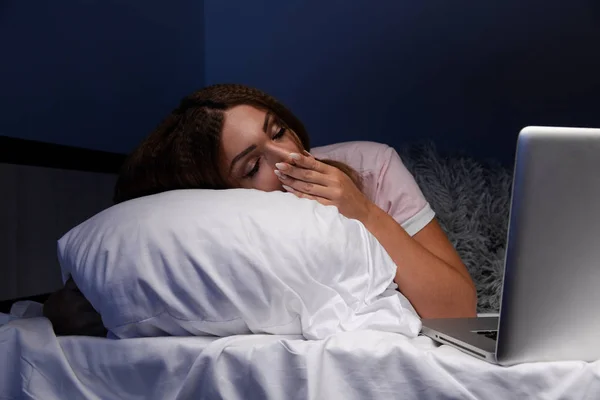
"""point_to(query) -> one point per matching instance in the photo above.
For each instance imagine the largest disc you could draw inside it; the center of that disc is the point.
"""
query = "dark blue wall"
(467, 74)
(96, 74)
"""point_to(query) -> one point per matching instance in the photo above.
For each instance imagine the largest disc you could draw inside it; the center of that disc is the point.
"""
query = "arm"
(429, 271)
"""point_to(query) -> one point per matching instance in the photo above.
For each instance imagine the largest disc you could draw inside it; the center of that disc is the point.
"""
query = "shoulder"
(387, 182)
(363, 145)
(361, 155)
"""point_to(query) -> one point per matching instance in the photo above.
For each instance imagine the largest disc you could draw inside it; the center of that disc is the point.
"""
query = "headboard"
(47, 189)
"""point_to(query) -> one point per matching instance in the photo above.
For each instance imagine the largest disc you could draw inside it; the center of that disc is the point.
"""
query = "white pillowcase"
(198, 262)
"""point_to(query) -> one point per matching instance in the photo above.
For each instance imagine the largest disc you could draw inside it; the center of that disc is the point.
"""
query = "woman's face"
(252, 142)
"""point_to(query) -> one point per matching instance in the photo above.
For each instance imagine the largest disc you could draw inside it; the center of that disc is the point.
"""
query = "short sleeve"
(398, 194)
(387, 182)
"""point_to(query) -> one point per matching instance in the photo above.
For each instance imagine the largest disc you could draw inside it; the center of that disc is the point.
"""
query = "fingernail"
(280, 175)
(281, 166)
(307, 153)
(295, 156)
(287, 188)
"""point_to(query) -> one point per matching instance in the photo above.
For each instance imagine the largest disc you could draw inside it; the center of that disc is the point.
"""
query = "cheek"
(293, 140)
(293, 144)
(267, 180)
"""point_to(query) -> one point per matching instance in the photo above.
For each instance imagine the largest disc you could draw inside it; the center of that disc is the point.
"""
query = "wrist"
(370, 214)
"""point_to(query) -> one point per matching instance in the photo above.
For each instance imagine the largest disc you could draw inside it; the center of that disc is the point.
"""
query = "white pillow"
(198, 262)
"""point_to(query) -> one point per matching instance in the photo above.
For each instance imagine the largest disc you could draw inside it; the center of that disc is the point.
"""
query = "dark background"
(465, 74)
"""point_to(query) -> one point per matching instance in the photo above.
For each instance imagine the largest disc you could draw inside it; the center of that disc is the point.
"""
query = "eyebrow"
(242, 154)
(250, 148)
(266, 123)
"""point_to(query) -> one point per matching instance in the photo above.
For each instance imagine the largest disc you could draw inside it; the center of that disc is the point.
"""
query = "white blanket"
(35, 364)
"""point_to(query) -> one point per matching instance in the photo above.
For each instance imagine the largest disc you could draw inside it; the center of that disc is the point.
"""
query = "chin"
(272, 184)
(277, 188)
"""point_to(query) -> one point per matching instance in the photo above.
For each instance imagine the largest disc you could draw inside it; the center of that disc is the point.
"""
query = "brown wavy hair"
(183, 151)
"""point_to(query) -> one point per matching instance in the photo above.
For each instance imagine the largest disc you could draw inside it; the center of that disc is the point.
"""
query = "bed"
(37, 364)
(353, 365)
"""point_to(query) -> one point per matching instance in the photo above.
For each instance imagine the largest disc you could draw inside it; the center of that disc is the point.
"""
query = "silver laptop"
(550, 307)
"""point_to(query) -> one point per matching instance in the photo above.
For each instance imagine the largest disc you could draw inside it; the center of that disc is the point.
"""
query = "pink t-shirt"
(387, 182)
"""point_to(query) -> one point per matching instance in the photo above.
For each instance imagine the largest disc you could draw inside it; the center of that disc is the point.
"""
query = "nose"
(274, 154)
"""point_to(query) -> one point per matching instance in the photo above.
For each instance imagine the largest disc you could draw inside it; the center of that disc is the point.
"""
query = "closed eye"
(279, 133)
(254, 169)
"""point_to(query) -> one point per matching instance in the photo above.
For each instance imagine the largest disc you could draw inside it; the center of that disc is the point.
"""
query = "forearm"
(434, 287)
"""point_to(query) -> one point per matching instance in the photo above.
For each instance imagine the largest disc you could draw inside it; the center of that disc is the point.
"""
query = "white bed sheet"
(35, 364)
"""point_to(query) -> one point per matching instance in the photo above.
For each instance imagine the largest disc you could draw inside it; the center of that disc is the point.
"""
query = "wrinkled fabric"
(35, 364)
(226, 262)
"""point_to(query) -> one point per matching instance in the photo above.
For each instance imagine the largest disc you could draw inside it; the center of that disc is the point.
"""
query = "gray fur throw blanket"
(472, 201)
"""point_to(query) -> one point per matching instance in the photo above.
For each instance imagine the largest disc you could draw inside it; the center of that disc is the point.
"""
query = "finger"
(302, 186)
(303, 174)
(308, 162)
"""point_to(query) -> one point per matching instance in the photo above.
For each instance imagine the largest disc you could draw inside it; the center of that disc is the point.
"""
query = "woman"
(232, 136)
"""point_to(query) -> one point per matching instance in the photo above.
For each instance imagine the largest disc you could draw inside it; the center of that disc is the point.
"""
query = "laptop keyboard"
(489, 334)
